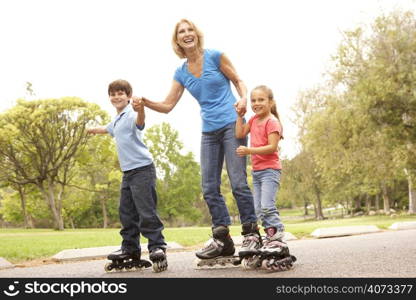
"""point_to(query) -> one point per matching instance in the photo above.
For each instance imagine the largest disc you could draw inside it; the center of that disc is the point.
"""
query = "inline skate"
(123, 260)
(159, 259)
(251, 245)
(218, 251)
(275, 255)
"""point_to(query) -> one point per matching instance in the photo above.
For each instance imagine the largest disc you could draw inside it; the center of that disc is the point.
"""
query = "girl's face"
(260, 103)
(186, 36)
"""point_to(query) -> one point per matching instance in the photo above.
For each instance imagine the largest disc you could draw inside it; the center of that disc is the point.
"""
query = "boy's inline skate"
(123, 260)
(275, 255)
(159, 260)
(218, 251)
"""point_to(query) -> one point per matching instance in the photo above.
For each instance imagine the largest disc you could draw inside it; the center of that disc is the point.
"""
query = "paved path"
(383, 254)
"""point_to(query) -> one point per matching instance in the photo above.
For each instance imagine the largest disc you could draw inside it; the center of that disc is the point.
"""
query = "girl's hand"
(241, 107)
(240, 112)
(243, 151)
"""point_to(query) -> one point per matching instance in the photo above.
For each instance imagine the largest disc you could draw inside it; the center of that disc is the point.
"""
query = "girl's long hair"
(270, 96)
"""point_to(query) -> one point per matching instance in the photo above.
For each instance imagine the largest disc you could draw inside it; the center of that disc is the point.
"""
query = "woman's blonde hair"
(178, 49)
(270, 96)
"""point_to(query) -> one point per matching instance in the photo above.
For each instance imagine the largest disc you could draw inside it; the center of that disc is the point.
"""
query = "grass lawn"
(20, 245)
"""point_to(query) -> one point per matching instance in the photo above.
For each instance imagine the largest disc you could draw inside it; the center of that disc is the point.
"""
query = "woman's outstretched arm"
(170, 101)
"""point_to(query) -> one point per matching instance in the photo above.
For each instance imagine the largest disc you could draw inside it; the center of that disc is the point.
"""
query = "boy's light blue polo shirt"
(132, 152)
(212, 90)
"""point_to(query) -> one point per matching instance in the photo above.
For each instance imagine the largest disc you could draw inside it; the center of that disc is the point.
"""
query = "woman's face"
(186, 36)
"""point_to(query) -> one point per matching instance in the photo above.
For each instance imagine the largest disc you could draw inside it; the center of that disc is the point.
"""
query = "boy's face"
(119, 99)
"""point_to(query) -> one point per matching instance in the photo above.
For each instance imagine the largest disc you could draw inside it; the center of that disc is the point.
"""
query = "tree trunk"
(71, 221)
(306, 208)
(50, 199)
(26, 219)
(412, 193)
(357, 201)
(377, 202)
(386, 199)
(104, 210)
(319, 215)
(368, 203)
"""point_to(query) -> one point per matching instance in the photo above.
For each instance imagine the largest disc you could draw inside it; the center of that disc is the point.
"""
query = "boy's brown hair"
(120, 85)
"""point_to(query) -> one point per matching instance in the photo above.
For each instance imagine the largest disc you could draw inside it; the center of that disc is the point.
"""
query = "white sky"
(75, 48)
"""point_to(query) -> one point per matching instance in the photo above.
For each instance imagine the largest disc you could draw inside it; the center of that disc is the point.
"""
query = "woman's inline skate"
(250, 248)
(123, 260)
(218, 251)
(159, 260)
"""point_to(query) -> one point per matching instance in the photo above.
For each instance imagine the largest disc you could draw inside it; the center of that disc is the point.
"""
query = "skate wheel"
(264, 264)
(245, 263)
(108, 267)
(160, 266)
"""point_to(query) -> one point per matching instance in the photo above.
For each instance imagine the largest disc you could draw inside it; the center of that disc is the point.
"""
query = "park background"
(343, 74)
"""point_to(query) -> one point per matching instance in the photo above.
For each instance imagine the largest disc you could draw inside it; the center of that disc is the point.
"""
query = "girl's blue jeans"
(266, 184)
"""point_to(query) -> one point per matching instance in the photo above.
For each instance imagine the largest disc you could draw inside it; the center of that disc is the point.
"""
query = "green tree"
(40, 140)
(379, 74)
(179, 178)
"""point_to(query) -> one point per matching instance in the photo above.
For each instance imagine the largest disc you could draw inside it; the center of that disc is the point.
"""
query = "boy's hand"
(91, 130)
(137, 103)
(242, 151)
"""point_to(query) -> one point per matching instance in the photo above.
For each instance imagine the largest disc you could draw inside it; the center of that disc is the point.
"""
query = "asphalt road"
(383, 254)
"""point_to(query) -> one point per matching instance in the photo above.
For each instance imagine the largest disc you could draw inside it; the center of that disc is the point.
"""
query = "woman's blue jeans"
(215, 147)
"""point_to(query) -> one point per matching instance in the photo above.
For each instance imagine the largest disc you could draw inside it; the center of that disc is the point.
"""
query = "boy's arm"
(97, 130)
(273, 141)
(138, 106)
(241, 129)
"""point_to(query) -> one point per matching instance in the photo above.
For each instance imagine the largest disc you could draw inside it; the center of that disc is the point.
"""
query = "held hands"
(242, 151)
(137, 103)
(241, 107)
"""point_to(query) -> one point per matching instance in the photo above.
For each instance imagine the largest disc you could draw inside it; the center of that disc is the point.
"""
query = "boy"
(138, 198)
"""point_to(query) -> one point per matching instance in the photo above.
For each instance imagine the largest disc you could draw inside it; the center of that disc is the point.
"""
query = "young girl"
(265, 133)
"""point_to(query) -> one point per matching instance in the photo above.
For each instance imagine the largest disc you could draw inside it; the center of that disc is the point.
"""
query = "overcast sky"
(75, 48)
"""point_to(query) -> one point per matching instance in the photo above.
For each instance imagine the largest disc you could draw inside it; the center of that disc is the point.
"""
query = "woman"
(206, 74)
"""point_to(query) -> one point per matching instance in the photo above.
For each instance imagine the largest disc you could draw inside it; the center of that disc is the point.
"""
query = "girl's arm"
(229, 71)
(241, 129)
(170, 101)
(273, 141)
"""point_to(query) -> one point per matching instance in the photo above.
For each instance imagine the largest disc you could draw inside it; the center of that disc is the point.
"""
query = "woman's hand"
(138, 103)
(241, 107)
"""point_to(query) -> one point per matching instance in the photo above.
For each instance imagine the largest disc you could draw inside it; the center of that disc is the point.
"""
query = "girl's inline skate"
(123, 260)
(275, 255)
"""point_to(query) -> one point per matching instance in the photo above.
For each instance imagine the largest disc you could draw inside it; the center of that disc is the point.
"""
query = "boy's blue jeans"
(266, 184)
(215, 147)
(137, 210)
